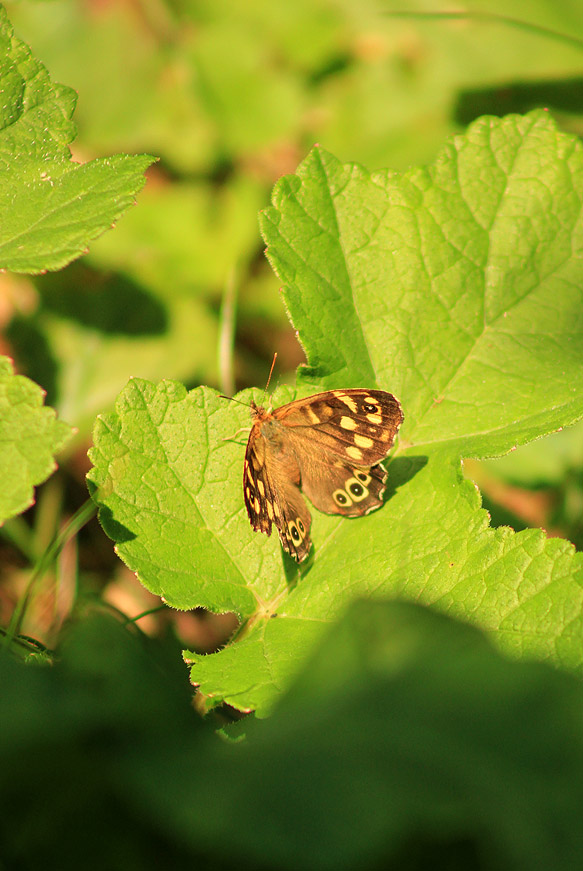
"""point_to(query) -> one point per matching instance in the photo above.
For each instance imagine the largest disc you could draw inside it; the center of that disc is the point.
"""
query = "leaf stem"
(46, 559)
(145, 614)
(227, 334)
(48, 509)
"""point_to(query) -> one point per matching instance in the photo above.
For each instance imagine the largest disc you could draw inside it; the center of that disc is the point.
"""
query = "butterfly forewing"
(331, 444)
(359, 425)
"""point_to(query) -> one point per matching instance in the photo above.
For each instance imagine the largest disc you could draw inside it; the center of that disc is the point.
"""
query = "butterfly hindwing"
(257, 488)
(293, 522)
(272, 496)
(349, 491)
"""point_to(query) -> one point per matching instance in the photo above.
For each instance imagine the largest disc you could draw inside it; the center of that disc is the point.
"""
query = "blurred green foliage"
(406, 742)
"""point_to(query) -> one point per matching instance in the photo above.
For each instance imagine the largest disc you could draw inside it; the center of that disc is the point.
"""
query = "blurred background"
(229, 96)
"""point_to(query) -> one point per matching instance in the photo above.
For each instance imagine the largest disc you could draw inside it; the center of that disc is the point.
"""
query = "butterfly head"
(259, 413)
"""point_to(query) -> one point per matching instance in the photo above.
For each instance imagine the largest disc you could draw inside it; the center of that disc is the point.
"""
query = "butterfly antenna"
(243, 428)
(231, 399)
(270, 374)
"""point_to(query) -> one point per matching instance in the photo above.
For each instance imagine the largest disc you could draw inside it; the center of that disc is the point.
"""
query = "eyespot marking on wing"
(341, 498)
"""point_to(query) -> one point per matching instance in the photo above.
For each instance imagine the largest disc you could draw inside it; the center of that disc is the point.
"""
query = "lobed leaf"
(459, 284)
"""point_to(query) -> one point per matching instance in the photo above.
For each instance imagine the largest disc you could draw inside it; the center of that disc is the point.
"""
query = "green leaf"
(60, 205)
(30, 436)
(455, 287)
(405, 742)
(162, 490)
(462, 279)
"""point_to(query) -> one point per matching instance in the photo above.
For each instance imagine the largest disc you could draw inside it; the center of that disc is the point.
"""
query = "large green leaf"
(460, 282)
(457, 288)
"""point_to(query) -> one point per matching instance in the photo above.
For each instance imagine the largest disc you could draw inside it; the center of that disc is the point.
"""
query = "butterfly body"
(330, 445)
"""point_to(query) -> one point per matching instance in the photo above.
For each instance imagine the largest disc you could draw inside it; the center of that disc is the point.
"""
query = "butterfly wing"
(339, 438)
(272, 495)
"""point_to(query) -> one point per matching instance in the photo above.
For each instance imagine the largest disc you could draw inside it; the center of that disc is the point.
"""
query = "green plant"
(456, 288)
(437, 720)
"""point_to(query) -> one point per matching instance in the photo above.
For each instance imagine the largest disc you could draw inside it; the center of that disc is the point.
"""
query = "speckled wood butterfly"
(330, 445)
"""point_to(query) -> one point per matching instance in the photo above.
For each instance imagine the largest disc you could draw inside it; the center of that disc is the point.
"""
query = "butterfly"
(329, 445)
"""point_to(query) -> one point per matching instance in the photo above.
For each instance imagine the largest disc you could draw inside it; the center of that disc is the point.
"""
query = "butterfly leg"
(234, 436)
